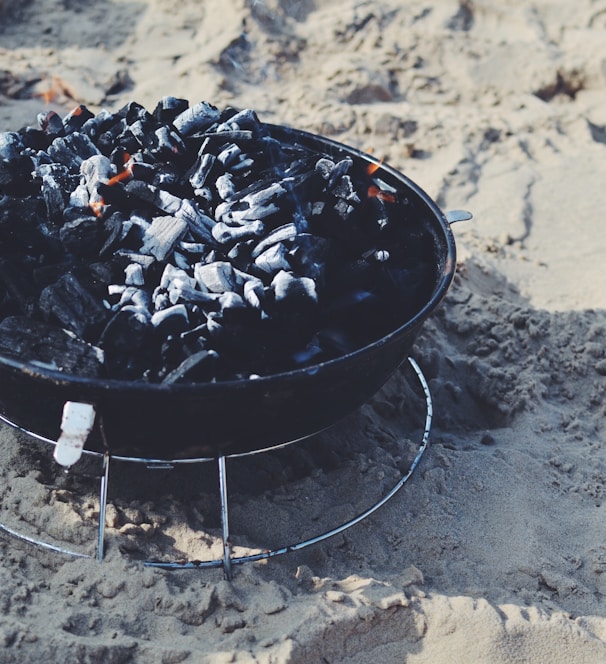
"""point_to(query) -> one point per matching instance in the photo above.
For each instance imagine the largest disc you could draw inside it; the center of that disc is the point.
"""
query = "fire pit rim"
(443, 281)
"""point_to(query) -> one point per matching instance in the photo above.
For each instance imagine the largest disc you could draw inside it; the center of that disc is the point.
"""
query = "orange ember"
(371, 169)
(375, 192)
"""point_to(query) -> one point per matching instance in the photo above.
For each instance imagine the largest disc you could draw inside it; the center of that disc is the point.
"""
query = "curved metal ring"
(227, 559)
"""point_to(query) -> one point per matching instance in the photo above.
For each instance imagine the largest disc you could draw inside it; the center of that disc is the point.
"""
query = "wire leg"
(224, 518)
(102, 506)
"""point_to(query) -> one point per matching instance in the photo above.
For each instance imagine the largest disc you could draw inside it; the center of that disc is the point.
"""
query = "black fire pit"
(217, 418)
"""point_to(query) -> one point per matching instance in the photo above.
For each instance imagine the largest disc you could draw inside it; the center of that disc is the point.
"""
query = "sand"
(494, 552)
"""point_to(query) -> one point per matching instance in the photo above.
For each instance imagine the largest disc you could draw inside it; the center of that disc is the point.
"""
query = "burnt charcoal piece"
(197, 118)
(82, 237)
(201, 171)
(16, 282)
(16, 175)
(228, 235)
(162, 236)
(11, 145)
(168, 108)
(129, 346)
(30, 341)
(311, 254)
(294, 293)
(200, 366)
(69, 303)
(170, 321)
(218, 277)
(57, 183)
(72, 150)
(75, 120)
(34, 139)
(51, 123)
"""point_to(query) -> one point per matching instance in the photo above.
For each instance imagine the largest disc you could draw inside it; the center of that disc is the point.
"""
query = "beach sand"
(494, 552)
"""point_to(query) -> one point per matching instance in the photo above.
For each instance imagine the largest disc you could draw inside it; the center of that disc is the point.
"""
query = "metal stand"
(227, 560)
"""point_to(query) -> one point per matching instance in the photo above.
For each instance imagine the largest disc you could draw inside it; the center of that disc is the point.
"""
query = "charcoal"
(33, 138)
(273, 260)
(246, 119)
(254, 293)
(21, 227)
(240, 254)
(31, 341)
(57, 182)
(226, 234)
(168, 108)
(196, 118)
(15, 175)
(108, 137)
(225, 186)
(82, 236)
(11, 145)
(311, 254)
(341, 168)
(229, 154)
(197, 367)
(201, 171)
(172, 320)
(128, 345)
(217, 277)
(191, 245)
(68, 302)
(281, 234)
(17, 284)
(295, 291)
(51, 123)
(227, 133)
(134, 275)
(162, 236)
(72, 150)
(75, 120)
(92, 127)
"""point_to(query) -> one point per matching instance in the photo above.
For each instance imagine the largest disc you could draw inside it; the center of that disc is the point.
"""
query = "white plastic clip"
(76, 425)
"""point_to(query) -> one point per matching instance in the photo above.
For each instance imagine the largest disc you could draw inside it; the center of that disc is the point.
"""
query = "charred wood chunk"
(170, 321)
(277, 235)
(68, 302)
(17, 283)
(197, 118)
(74, 121)
(51, 123)
(22, 229)
(311, 254)
(296, 293)
(273, 260)
(197, 367)
(129, 345)
(168, 108)
(82, 237)
(218, 277)
(228, 234)
(34, 342)
(72, 150)
(57, 183)
(162, 236)
(16, 175)
(201, 171)
(11, 145)
(34, 139)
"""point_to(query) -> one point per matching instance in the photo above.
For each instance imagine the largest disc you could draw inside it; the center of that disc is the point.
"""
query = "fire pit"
(226, 285)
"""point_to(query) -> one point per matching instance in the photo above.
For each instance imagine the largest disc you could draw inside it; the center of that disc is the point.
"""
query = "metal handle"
(76, 424)
(453, 216)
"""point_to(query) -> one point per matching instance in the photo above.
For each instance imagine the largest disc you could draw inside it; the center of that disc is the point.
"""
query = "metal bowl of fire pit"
(193, 419)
